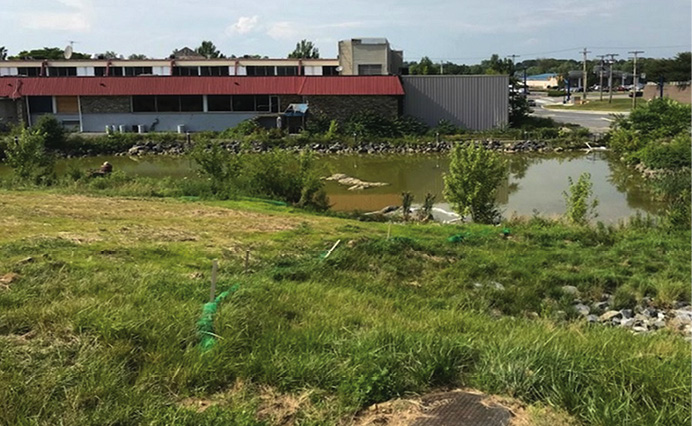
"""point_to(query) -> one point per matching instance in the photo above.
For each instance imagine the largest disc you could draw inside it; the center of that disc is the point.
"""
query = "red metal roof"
(15, 87)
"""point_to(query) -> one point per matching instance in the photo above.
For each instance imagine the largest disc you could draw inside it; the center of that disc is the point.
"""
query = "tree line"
(305, 49)
(677, 68)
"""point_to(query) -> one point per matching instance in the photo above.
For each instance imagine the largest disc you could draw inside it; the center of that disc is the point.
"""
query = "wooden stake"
(332, 249)
(214, 268)
(247, 260)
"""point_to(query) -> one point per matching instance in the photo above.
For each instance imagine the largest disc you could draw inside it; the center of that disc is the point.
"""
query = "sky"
(459, 31)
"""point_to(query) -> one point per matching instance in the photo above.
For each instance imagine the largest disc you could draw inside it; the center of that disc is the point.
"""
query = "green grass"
(592, 104)
(99, 328)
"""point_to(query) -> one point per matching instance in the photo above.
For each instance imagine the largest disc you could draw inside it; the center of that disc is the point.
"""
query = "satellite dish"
(68, 52)
(339, 68)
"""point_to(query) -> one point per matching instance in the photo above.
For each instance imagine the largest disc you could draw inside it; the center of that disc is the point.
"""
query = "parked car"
(640, 93)
(532, 103)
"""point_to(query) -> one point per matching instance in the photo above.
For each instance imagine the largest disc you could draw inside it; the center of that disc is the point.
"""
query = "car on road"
(639, 93)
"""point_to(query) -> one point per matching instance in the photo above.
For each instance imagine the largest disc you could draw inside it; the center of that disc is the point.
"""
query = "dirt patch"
(399, 412)
(8, 279)
(197, 404)
(281, 409)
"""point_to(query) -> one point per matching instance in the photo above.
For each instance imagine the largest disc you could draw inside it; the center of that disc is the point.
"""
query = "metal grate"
(460, 409)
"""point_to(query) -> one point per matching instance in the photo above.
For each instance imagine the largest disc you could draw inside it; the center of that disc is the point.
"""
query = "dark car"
(639, 93)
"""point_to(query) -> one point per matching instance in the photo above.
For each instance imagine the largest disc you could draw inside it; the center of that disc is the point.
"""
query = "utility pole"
(512, 56)
(584, 79)
(600, 79)
(610, 77)
(635, 78)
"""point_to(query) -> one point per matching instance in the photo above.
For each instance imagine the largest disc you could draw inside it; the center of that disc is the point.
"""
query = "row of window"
(177, 71)
(165, 103)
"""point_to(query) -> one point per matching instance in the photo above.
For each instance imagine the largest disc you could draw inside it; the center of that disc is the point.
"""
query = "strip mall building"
(187, 93)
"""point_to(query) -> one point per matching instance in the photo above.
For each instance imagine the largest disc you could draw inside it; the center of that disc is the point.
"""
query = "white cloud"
(77, 19)
(283, 30)
(244, 25)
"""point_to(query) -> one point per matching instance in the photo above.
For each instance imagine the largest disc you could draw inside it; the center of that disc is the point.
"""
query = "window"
(262, 103)
(191, 103)
(370, 69)
(112, 71)
(329, 70)
(40, 104)
(62, 71)
(185, 71)
(144, 104)
(219, 102)
(213, 71)
(133, 71)
(29, 71)
(168, 103)
(286, 70)
(260, 71)
(67, 104)
(243, 103)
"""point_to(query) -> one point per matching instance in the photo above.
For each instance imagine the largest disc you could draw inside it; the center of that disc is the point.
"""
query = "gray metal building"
(475, 102)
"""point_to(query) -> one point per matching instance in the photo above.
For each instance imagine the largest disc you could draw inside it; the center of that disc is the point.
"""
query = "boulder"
(610, 315)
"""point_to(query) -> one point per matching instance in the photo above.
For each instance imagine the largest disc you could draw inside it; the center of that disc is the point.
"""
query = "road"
(597, 122)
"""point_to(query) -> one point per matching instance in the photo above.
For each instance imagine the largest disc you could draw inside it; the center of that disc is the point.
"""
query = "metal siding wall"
(474, 102)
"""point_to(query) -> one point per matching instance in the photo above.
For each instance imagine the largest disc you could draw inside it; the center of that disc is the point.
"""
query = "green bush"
(370, 124)
(244, 128)
(26, 155)
(218, 165)
(52, 130)
(673, 155)
(474, 175)
(578, 207)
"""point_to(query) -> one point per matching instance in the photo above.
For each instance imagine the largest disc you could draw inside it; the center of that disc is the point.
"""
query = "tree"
(305, 50)
(50, 53)
(137, 57)
(111, 55)
(209, 50)
(3, 53)
(474, 175)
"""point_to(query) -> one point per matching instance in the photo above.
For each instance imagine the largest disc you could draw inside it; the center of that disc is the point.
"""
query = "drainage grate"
(460, 409)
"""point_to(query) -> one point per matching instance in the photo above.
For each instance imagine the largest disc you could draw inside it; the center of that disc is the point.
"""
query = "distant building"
(369, 56)
(191, 93)
(542, 81)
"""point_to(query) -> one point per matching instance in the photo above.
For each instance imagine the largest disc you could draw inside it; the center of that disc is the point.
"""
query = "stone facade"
(340, 108)
(105, 104)
(9, 112)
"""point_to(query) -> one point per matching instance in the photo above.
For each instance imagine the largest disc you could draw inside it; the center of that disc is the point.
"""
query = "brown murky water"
(533, 183)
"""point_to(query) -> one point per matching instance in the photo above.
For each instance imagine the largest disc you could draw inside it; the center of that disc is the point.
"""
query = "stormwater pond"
(534, 183)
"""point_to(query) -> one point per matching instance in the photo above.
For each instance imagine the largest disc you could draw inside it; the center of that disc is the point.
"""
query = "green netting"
(205, 325)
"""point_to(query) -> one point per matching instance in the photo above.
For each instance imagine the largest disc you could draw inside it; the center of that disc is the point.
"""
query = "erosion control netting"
(205, 325)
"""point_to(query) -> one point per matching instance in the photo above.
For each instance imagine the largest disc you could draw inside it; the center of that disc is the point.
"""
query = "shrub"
(244, 128)
(52, 130)
(218, 165)
(474, 175)
(579, 210)
(673, 155)
(370, 124)
(406, 201)
(407, 125)
(26, 155)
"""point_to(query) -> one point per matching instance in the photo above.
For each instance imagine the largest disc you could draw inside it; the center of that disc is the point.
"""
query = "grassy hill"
(101, 297)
